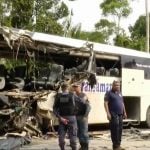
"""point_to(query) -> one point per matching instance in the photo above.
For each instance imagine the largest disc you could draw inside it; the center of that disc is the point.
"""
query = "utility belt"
(67, 112)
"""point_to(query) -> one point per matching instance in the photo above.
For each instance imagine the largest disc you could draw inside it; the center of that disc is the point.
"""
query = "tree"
(4, 10)
(138, 30)
(123, 40)
(138, 33)
(47, 15)
(117, 9)
(113, 11)
(106, 28)
(36, 15)
(22, 13)
(137, 38)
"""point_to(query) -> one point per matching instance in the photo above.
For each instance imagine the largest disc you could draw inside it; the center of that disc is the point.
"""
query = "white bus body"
(133, 67)
(134, 74)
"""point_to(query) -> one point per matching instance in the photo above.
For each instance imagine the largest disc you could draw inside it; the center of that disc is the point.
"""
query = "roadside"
(133, 139)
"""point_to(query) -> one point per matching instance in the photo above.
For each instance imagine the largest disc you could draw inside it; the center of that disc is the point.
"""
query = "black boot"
(62, 147)
(84, 146)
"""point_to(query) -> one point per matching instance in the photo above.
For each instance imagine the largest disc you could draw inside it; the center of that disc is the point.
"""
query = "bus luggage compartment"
(132, 105)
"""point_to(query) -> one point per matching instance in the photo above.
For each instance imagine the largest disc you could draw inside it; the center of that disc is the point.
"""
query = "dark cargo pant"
(83, 136)
(116, 124)
(82, 123)
(71, 129)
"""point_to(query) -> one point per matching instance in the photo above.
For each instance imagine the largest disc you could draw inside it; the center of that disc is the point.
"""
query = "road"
(132, 139)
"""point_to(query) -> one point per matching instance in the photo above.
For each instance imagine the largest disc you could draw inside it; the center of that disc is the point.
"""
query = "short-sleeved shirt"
(115, 102)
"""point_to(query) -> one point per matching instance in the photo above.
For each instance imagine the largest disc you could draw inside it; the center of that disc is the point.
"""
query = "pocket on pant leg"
(114, 119)
(74, 131)
(62, 130)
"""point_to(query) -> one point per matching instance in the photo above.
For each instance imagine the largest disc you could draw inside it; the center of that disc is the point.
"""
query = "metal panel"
(132, 82)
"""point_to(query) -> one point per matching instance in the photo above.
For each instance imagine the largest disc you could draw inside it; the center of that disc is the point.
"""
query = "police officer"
(115, 110)
(82, 111)
(64, 109)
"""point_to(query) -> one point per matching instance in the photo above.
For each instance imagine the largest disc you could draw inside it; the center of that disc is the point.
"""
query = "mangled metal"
(14, 112)
(37, 80)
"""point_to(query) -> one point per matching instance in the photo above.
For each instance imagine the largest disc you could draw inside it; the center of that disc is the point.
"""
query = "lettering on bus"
(99, 87)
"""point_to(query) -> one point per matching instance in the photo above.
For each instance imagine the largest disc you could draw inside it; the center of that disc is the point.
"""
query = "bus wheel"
(148, 117)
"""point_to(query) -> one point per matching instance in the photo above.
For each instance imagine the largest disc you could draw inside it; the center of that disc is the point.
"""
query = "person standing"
(82, 111)
(115, 110)
(64, 109)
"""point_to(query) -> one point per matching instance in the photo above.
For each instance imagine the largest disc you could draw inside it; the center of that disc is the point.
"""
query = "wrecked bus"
(74, 60)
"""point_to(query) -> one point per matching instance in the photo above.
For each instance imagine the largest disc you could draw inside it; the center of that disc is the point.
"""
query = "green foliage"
(138, 33)
(36, 15)
(10, 64)
(75, 31)
(139, 44)
(21, 13)
(4, 10)
(92, 36)
(47, 16)
(117, 9)
(72, 31)
(139, 28)
(61, 11)
(106, 28)
(137, 38)
(48, 26)
(123, 41)
(103, 23)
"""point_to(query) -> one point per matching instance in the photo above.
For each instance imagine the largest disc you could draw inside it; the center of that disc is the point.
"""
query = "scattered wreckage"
(32, 68)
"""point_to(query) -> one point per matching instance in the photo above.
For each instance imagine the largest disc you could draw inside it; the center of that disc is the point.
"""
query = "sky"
(87, 12)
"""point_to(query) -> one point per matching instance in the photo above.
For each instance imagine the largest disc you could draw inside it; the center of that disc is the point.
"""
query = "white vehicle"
(131, 67)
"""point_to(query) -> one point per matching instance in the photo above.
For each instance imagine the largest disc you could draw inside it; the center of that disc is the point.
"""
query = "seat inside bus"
(114, 72)
(100, 70)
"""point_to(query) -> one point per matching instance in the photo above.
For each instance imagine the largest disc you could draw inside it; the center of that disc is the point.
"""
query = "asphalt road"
(131, 140)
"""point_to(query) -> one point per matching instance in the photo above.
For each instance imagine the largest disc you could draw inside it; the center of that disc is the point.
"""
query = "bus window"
(108, 67)
(100, 70)
(107, 72)
(114, 72)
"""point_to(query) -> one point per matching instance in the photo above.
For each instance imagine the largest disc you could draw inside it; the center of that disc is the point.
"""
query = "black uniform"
(64, 106)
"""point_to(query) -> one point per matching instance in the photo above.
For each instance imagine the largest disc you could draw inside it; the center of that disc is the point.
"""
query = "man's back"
(64, 103)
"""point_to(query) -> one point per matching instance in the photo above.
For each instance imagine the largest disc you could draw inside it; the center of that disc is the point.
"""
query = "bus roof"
(98, 47)
(74, 43)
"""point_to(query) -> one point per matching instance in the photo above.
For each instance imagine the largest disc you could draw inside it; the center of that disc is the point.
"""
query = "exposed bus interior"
(68, 61)
(108, 67)
(132, 105)
(105, 66)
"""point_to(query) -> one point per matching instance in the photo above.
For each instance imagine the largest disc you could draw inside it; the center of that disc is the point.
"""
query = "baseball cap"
(76, 84)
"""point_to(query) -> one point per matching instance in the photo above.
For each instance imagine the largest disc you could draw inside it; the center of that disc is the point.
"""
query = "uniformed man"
(115, 110)
(82, 110)
(64, 108)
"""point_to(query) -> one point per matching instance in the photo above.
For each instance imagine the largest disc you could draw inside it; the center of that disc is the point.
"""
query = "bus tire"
(148, 117)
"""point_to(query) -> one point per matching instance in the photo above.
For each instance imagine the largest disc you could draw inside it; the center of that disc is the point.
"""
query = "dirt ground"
(132, 139)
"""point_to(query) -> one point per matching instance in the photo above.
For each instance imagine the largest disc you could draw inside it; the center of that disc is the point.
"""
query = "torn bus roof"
(50, 43)
(37, 41)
